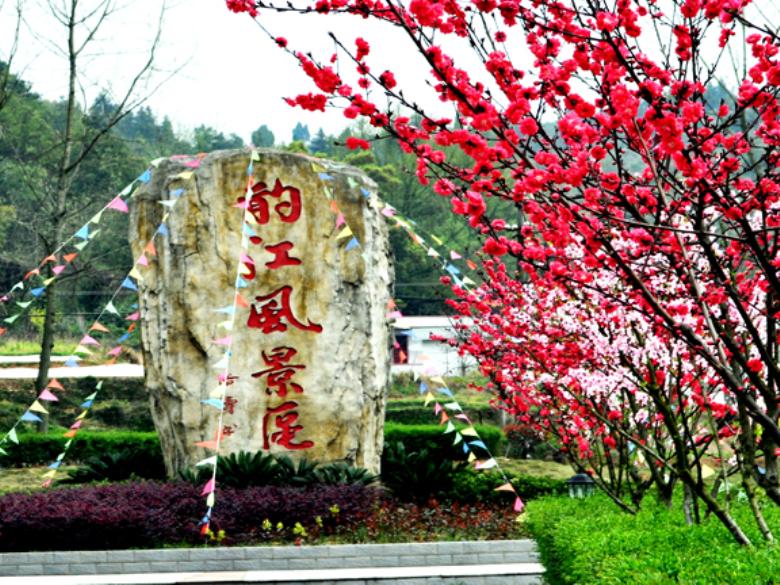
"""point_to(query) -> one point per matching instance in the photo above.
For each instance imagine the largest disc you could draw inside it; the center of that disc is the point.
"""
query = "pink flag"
(192, 164)
(438, 408)
(77, 424)
(119, 205)
(116, 351)
(339, 220)
(58, 269)
(464, 417)
(454, 255)
(224, 341)
(133, 317)
(431, 371)
(223, 376)
(3, 299)
(394, 315)
(89, 341)
(143, 261)
(46, 395)
(209, 487)
(246, 259)
(242, 205)
(46, 483)
(387, 212)
(519, 505)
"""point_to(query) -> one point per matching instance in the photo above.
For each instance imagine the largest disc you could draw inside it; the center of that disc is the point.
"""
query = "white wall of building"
(424, 353)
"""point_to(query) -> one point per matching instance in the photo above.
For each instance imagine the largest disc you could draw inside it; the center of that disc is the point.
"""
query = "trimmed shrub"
(148, 514)
(592, 541)
(43, 449)
(416, 475)
(117, 467)
(432, 438)
(473, 486)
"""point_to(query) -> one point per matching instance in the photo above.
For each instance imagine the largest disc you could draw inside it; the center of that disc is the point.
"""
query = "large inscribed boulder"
(309, 347)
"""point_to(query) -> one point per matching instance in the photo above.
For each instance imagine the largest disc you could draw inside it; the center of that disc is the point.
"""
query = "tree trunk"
(47, 345)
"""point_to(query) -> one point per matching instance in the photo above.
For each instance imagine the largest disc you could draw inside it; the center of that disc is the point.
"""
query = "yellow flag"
(706, 470)
(428, 398)
(437, 240)
(38, 407)
(82, 349)
(470, 432)
(185, 175)
(345, 233)
(438, 380)
(317, 168)
(82, 415)
(217, 392)
(472, 457)
(135, 274)
(51, 473)
(210, 500)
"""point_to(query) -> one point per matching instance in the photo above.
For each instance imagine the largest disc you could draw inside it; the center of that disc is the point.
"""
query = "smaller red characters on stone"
(274, 311)
(288, 211)
(231, 380)
(284, 420)
(283, 258)
(230, 404)
(228, 430)
(280, 371)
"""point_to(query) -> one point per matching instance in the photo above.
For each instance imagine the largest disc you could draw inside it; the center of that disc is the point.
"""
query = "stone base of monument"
(507, 562)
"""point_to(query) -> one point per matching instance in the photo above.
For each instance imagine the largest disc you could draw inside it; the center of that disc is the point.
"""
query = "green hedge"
(472, 486)
(415, 414)
(432, 437)
(592, 541)
(36, 449)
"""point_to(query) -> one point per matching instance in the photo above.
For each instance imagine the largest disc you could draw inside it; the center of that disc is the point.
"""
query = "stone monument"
(310, 345)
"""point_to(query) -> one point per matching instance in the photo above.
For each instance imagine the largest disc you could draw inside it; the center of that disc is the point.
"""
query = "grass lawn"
(535, 467)
(20, 348)
(16, 480)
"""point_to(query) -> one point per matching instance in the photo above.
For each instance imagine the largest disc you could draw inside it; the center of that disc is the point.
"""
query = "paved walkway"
(25, 373)
(503, 574)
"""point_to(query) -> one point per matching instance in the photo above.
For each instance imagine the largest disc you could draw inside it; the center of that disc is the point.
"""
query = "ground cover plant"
(619, 165)
(153, 514)
(592, 541)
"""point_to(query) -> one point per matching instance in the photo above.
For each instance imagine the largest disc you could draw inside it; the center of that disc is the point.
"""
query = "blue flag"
(125, 337)
(37, 291)
(177, 192)
(30, 417)
(129, 284)
(83, 233)
(423, 387)
(145, 177)
(353, 243)
(325, 176)
(365, 192)
(72, 363)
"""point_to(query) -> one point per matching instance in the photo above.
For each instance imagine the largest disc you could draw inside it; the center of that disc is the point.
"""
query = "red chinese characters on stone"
(230, 404)
(284, 419)
(280, 371)
(274, 310)
(283, 258)
(289, 211)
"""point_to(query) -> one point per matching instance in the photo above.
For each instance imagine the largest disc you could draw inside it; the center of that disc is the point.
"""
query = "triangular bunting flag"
(150, 249)
(91, 396)
(55, 384)
(177, 192)
(118, 204)
(432, 252)
(168, 202)
(185, 175)
(12, 436)
(86, 404)
(37, 291)
(162, 229)
(51, 473)
(125, 337)
(133, 317)
(454, 255)
(87, 340)
(29, 274)
(458, 439)
(450, 428)
(83, 233)
(30, 417)
(110, 308)
(345, 233)
(428, 398)
(471, 264)
(209, 461)
(143, 261)
(98, 327)
(207, 445)
(129, 284)
(469, 432)
(48, 281)
(55, 465)
(70, 433)
(110, 362)
(81, 245)
(215, 402)
(135, 274)
(223, 363)
(223, 341)
(24, 305)
(226, 324)
(228, 310)
(12, 319)
(210, 500)
(507, 487)
(96, 218)
(145, 177)
(353, 243)
(115, 351)
(519, 505)
(241, 301)
(72, 363)
(46, 395)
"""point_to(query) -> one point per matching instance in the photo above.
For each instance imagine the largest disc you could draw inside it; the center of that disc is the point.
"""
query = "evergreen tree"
(301, 133)
(321, 144)
(263, 137)
(207, 139)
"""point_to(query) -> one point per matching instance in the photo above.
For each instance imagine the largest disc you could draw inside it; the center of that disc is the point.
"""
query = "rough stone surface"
(345, 379)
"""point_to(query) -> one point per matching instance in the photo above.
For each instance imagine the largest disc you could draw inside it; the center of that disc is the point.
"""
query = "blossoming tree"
(636, 164)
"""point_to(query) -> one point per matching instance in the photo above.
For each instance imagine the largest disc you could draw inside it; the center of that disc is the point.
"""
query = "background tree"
(300, 133)
(321, 145)
(69, 145)
(263, 137)
(207, 139)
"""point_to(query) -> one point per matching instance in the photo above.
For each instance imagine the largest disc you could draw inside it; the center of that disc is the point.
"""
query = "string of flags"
(90, 339)
(36, 281)
(216, 399)
(467, 437)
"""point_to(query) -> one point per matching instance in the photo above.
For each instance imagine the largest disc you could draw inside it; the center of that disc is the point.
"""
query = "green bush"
(120, 466)
(592, 541)
(34, 449)
(416, 475)
(432, 437)
(473, 486)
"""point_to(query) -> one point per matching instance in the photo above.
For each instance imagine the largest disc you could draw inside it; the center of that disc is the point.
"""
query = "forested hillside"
(30, 148)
